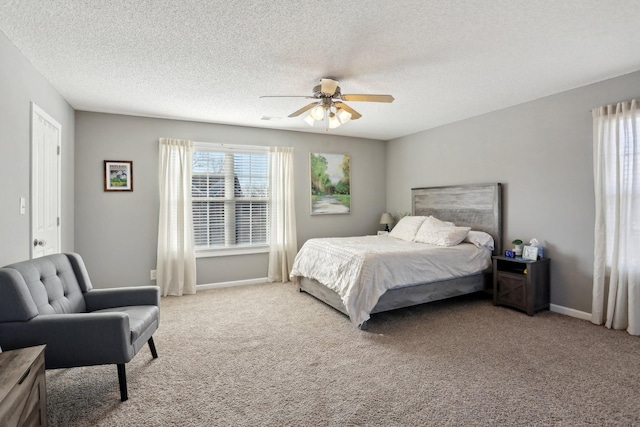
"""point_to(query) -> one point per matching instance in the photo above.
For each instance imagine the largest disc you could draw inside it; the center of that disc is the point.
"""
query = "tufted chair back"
(51, 285)
(50, 301)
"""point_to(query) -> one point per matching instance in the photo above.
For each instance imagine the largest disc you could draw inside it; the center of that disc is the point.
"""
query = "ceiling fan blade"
(367, 98)
(287, 96)
(328, 86)
(354, 114)
(303, 109)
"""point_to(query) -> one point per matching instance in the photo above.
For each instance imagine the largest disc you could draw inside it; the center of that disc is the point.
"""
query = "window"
(230, 192)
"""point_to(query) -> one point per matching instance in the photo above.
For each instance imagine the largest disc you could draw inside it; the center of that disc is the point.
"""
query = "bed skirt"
(405, 296)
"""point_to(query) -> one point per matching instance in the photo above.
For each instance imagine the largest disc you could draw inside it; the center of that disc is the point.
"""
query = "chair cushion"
(141, 317)
(52, 284)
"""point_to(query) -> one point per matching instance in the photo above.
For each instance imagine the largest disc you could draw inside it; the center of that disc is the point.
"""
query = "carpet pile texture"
(270, 355)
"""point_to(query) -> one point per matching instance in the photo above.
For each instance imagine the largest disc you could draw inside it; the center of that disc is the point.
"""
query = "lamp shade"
(317, 112)
(309, 120)
(386, 218)
(343, 115)
(333, 121)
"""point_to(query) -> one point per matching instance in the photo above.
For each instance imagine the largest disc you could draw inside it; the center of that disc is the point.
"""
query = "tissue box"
(540, 252)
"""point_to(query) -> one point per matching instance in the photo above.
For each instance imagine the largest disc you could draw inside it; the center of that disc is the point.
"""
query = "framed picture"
(330, 183)
(530, 253)
(118, 175)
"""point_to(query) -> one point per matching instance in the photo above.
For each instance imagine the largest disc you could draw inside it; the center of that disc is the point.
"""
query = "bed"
(478, 206)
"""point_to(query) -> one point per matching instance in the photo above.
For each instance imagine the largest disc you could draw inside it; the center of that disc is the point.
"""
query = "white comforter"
(361, 269)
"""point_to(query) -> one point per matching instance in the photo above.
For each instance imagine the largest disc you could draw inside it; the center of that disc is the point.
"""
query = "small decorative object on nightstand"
(521, 283)
(386, 219)
(530, 253)
(517, 246)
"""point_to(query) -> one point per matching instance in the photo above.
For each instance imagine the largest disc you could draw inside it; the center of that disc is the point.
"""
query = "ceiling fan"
(328, 106)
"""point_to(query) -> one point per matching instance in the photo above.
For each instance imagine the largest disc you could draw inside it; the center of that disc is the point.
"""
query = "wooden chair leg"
(122, 373)
(122, 379)
(152, 347)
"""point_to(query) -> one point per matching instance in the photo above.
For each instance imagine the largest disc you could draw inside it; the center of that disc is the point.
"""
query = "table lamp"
(386, 219)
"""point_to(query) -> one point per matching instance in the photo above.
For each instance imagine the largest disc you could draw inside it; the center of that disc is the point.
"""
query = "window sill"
(208, 253)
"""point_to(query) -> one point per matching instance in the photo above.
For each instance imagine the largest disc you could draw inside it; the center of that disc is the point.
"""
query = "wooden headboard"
(478, 206)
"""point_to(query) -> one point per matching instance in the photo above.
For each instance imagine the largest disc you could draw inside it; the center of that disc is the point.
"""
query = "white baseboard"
(569, 312)
(231, 284)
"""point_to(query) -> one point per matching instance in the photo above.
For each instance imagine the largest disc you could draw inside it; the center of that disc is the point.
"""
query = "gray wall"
(116, 233)
(542, 152)
(20, 84)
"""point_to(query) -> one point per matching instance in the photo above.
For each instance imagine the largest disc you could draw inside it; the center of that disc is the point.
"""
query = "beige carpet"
(269, 355)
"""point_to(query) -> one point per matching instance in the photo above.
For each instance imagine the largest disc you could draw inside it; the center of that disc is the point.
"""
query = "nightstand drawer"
(512, 289)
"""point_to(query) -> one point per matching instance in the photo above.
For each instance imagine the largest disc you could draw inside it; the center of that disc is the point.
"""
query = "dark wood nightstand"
(521, 284)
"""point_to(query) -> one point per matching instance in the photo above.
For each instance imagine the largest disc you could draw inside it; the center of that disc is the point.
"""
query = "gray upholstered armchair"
(50, 301)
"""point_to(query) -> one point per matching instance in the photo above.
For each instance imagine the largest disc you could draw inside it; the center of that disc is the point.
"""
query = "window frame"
(209, 251)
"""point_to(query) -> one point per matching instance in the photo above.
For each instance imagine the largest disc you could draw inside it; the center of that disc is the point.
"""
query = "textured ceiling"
(210, 61)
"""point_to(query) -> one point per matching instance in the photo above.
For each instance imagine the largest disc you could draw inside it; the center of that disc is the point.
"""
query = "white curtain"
(176, 262)
(616, 165)
(282, 228)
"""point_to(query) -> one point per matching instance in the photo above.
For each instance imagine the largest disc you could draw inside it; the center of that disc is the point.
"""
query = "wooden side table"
(521, 284)
(23, 398)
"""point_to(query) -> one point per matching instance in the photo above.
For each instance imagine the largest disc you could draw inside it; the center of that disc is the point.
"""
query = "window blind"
(230, 191)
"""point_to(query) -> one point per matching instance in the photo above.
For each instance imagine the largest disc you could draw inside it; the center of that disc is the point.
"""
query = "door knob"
(37, 242)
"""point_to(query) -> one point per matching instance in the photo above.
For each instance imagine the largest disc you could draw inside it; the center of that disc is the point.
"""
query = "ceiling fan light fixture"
(328, 86)
(328, 106)
(333, 121)
(317, 112)
(343, 115)
(309, 120)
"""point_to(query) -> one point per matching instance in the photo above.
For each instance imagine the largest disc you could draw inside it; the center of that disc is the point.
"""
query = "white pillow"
(441, 235)
(438, 222)
(480, 239)
(407, 227)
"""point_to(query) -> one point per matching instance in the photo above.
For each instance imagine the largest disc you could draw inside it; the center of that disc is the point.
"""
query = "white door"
(45, 183)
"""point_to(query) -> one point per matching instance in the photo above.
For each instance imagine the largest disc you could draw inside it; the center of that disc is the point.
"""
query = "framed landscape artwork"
(330, 184)
(118, 175)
